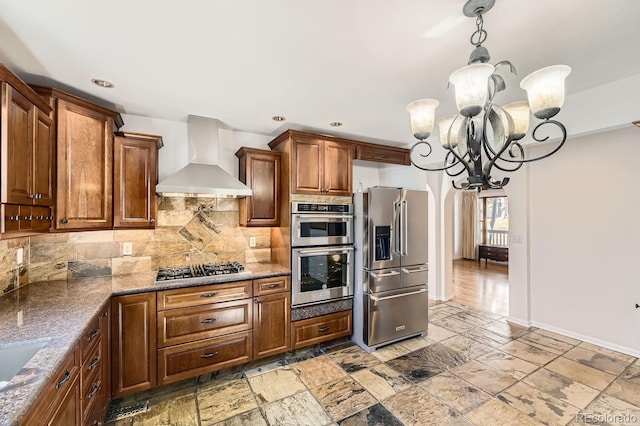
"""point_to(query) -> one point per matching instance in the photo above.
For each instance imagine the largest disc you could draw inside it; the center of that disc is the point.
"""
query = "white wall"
(365, 173)
(585, 239)
(175, 153)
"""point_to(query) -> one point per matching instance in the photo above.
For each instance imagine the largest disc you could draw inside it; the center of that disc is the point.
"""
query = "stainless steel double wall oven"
(322, 252)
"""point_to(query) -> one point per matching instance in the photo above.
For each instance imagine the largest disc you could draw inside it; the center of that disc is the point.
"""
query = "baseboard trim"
(588, 339)
(519, 321)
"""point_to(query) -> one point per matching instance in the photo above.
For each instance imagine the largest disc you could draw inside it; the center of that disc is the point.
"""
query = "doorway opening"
(480, 234)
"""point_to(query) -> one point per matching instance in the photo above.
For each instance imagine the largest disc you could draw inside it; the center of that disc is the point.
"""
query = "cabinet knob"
(27, 217)
(64, 220)
(152, 221)
(257, 302)
(14, 218)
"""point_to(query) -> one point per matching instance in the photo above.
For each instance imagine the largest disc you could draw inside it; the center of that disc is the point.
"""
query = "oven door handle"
(379, 299)
(327, 250)
(305, 217)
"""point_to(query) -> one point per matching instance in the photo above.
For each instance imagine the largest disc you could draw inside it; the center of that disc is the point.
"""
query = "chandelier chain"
(480, 35)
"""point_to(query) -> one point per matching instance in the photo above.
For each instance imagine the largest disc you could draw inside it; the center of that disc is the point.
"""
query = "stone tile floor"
(473, 368)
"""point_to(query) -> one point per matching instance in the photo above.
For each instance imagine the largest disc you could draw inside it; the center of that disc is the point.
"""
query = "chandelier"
(483, 134)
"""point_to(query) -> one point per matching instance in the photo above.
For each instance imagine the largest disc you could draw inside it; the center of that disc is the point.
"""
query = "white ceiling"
(313, 61)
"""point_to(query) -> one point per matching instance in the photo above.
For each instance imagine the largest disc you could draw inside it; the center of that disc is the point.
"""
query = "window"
(493, 213)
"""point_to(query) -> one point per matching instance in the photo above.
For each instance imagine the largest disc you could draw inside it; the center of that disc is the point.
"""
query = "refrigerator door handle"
(378, 299)
(386, 274)
(397, 218)
(405, 228)
(414, 270)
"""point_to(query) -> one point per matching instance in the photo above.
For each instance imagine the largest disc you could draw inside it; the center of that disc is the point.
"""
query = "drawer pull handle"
(211, 355)
(67, 377)
(323, 329)
(208, 321)
(208, 294)
(93, 334)
(271, 285)
(94, 390)
(94, 362)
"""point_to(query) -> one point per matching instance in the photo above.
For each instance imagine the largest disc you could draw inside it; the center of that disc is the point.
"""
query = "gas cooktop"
(199, 270)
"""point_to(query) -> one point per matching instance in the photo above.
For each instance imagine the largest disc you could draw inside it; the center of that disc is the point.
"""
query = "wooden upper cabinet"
(338, 168)
(84, 157)
(383, 154)
(135, 175)
(260, 171)
(27, 150)
(321, 166)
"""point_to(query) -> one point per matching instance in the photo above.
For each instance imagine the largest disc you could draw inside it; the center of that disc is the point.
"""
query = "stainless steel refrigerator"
(391, 294)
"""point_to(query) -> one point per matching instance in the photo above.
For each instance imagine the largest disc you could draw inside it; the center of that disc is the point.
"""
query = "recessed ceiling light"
(335, 124)
(278, 118)
(103, 83)
(637, 123)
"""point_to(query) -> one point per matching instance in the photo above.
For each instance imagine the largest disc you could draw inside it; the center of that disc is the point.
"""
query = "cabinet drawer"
(10, 218)
(320, 329)
(188, 324)
(383, 154)
(191, 359)
(91, 334)
(203, 295)
(92, 393)
(271, 285)
(91, 368)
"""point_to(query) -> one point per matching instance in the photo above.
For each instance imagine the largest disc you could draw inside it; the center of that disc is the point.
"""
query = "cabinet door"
(134, 180)
(43, 166)
(261, 173)
(307, 163)
(133, 354)
(17, 147)
(271, 325)
(84, 168)
(338, 165)
(68, 412)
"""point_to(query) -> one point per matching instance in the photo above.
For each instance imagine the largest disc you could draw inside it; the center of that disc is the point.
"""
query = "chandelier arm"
(537, 139)
(517, 162)
(454, 162)
(426, 155)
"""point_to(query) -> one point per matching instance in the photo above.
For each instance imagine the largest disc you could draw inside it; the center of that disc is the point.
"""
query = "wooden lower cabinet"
(59, 402)
(320, 329)
(191, 359)
(133, 353)
(271, 325)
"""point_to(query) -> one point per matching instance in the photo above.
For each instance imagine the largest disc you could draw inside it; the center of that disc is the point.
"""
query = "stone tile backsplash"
(195, 230)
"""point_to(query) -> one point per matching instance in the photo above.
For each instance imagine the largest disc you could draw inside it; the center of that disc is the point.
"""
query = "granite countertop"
(57, 312)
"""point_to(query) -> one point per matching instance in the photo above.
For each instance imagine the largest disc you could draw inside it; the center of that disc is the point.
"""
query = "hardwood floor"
(482, 286)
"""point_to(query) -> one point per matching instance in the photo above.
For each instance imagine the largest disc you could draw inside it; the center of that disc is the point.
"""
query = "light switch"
(516, 238)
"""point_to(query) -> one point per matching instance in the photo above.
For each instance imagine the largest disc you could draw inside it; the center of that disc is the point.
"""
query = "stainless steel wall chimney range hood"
(202, 177)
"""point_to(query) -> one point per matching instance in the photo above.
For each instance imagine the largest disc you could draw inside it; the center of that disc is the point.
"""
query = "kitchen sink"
(13, 358)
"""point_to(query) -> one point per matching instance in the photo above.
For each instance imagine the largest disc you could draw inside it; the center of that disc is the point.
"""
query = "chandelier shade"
(470, 85)
(519, 113)
(485, 135)
(422, 113)
(545, 90)
(449, 129)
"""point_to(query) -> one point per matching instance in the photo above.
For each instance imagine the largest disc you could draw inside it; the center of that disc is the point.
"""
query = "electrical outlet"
(252, 241)
(19, 256)
(127, 249)
(20, 318)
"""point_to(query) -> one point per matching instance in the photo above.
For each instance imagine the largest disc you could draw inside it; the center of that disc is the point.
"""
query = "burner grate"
(199, 270)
